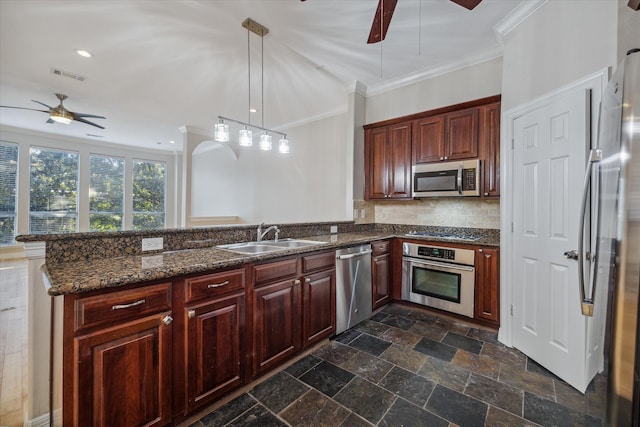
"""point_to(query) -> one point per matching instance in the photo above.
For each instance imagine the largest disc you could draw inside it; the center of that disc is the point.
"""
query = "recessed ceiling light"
(83, 53)
(253, 110)
(172, 142)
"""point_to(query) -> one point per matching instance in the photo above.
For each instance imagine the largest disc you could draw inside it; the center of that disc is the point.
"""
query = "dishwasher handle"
(349, 256)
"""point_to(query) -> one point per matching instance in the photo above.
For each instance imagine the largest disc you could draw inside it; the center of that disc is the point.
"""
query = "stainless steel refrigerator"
(613, 260)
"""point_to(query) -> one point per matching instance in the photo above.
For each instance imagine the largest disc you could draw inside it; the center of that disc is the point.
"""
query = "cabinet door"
(377, 163)
(214, 348)
(489, 147)
(428, 140)
(319, 306)
(381, 275)
(124, 375)
(399, 161)
(487, 290)
(462, 134)
(276, 323)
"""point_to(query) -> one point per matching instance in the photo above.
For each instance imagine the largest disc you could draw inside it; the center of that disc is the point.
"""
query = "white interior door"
(550, 152)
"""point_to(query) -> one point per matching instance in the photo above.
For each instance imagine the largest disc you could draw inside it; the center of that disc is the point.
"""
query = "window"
(53, 200)
(106, 193)
(8, 187)
(149, 183)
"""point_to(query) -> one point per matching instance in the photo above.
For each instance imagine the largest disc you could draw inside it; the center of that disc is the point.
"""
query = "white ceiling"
(162, 64)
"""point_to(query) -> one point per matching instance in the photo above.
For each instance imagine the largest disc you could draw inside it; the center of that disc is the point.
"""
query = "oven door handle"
(460, 179)
(439, 264)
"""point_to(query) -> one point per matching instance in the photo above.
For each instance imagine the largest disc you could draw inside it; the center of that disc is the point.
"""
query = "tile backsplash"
(454, 212)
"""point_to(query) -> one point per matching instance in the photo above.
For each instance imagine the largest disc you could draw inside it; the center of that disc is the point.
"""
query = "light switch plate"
(152, 244)
(334, 229)
(363, 213)
(355, 214)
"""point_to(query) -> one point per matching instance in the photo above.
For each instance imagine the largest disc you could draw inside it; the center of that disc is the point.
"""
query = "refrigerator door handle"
(586, 303)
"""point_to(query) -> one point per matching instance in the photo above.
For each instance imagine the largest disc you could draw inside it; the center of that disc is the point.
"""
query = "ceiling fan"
(60, 114)
(382, 18)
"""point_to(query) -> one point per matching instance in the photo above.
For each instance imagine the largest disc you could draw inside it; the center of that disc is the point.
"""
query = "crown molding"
(357, 87)
(516, 17)
(434, 72)
(312, 119)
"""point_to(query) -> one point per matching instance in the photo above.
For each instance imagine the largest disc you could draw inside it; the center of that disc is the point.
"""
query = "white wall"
(561, 42)
(308, 185)
(472, 82)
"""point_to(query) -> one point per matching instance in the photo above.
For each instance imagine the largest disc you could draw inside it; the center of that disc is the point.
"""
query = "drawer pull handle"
(133, 304)
(218, 285)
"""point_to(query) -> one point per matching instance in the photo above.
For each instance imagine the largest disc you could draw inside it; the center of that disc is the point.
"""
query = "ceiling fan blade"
(93, 116)
(22, 108)
(43, 104)
(381, 20)
(468, 4)
(81, 120)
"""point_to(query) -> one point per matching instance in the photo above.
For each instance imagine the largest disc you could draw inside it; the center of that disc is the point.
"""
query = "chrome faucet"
(261, 233)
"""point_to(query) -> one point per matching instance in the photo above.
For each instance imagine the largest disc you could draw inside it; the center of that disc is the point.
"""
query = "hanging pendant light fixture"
(245, 134)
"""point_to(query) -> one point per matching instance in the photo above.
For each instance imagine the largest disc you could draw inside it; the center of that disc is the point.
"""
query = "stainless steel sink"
(268, 245)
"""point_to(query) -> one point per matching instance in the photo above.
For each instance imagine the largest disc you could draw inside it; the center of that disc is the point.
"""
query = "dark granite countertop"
(93, 274)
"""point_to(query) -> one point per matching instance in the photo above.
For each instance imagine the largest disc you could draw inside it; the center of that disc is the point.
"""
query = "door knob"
(571, 254)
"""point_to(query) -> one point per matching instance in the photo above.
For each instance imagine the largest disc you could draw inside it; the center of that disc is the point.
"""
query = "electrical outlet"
(152, 244)
(334, 229)
(355, 214)
(363, 213)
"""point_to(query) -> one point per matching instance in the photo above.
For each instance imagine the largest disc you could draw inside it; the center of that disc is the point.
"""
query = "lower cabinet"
(127, 362)
(214, 349)
(381, 273)
(487, 286)
(276, 323)
(118, 373)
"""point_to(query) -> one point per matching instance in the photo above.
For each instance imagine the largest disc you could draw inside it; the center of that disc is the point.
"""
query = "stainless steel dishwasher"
(353, 286)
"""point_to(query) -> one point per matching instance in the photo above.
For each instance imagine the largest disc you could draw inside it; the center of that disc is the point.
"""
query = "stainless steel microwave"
(446, 179)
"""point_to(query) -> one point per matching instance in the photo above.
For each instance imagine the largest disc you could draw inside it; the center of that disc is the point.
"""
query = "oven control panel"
(439, 253)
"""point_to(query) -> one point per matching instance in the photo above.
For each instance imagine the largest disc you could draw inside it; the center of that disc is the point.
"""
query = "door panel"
(550, 146)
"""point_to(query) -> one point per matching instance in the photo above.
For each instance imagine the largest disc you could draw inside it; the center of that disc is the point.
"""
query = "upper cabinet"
(451, 136)
(489, 146)
(470, 130)
(388, 162)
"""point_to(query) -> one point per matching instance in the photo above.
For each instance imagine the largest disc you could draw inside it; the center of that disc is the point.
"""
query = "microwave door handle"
(460, 179)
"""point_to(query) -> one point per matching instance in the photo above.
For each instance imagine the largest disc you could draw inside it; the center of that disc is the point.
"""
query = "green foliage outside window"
(8, 188)
(149, 181)
(106, 193)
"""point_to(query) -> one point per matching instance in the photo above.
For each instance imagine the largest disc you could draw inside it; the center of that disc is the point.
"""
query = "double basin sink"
(266, 246)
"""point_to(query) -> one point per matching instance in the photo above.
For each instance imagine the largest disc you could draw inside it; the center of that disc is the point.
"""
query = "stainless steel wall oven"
(439, 277)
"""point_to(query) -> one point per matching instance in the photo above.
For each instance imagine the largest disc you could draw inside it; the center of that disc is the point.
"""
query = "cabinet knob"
(441, 158)
(167, 319)
(307, 280)
(446, 158)
(486, 194)
(296, 282)
(191, 314)
(480, 250)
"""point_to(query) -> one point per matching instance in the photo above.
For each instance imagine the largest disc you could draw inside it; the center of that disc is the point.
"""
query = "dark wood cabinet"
(388, 162)
(380, 273)
(213, 337)
(452, 136)
(276, 314)
(489, 147)
(487, 286)
(428, 140)
(319, 297)
(118, 373)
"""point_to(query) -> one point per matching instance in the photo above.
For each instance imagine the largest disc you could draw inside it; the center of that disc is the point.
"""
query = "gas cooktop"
(449, 236)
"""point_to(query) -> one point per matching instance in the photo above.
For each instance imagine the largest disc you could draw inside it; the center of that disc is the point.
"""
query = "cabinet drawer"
(119, 306)
(214, 284)
(275, 270)
(380, 247)
(318, 261)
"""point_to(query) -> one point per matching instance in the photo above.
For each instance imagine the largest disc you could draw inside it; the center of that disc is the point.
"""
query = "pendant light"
(245, 134)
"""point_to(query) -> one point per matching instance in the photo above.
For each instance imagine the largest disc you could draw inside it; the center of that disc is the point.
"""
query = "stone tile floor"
(408, 367)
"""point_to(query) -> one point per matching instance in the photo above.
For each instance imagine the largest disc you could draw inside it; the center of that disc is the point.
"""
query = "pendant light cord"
(249, 74)
(262, 77)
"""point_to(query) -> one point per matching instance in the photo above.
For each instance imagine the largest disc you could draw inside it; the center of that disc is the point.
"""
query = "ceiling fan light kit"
(245, 134)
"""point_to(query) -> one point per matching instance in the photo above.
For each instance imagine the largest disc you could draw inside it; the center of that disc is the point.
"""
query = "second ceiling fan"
(382, 18)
